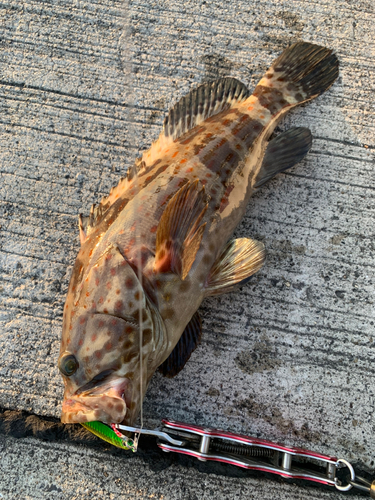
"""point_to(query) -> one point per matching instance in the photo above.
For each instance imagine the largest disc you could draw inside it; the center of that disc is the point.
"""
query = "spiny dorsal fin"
(98, 211)
(206, 100)
(179, 235)
(284, 151)
(201, 103)
(239, 260)
(185, 346)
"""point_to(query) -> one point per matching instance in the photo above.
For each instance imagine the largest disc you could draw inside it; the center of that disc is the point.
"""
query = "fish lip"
(106, 404)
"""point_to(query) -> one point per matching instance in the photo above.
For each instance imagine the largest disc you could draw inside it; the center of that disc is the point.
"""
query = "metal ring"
(352, 476)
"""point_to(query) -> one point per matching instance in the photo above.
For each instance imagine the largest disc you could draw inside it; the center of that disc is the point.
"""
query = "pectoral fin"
(185, 346)
(284, 151)
(239, 260)
(179, 232)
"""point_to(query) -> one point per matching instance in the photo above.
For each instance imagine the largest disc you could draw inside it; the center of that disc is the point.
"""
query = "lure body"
(157, 245)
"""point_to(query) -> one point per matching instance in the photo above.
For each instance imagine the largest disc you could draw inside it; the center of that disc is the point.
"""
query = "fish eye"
(68, 364)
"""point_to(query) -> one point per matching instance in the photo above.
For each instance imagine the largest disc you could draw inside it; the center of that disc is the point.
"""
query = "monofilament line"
(126, 57)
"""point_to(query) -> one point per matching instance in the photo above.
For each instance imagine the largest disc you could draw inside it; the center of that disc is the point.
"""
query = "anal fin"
(185, 346)
(179, 233)
(239, 260)
(284, 151)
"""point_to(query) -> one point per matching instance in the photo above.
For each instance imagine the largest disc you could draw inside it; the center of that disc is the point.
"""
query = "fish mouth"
(105, 403)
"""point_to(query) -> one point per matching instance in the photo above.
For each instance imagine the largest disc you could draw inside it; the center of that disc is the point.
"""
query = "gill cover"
(101, 341)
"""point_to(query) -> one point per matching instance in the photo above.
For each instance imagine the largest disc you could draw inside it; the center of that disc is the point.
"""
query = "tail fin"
(300, 73)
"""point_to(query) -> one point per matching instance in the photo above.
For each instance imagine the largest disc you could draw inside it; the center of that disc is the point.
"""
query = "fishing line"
(125, 42)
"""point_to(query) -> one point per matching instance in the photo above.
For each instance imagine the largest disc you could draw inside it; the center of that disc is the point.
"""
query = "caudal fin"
(300, 73)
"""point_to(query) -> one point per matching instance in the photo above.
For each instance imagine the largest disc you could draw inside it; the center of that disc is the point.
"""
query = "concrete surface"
(84, 86)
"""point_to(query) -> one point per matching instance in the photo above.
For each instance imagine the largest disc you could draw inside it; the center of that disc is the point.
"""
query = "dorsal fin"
(98, 211)
(206, 100)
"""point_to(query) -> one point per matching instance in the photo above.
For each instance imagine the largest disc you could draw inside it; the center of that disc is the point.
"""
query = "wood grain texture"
(84, 88)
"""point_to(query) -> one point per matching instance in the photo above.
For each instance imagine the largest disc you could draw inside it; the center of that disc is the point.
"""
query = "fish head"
(107, 315)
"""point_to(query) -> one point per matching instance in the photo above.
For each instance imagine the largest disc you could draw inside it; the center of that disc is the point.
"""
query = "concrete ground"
(84, 86)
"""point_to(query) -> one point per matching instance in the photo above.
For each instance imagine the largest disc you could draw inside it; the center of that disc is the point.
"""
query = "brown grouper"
(160, 242)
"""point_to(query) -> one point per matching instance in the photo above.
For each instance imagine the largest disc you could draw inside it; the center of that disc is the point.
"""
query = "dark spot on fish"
(270, 98)
(118, 291)
(119, 305)
(129, 375)
(105, 310)
(108, 346)
(221, 157)
(150, 178)
(129, 330)
(184, 286)
(168, 313)
(101, 323)
(119, 407)
(147, 335)
(113, 271)
(151, 167)
(269, 75)
(110, 405)
(129, 356)
(98, 354)
(114, 322)
(129, 283)
(206, 259)
(189, 136)
(94, 337)
(130, 304)
(137, 295)
(127, 344)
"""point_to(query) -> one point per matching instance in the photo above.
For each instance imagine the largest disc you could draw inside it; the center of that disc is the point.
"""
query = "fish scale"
(160, 242)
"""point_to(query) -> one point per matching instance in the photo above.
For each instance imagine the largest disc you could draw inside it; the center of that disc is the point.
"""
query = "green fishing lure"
(104, 432)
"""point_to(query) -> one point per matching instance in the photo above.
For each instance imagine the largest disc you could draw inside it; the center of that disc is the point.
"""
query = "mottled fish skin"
(106, 301)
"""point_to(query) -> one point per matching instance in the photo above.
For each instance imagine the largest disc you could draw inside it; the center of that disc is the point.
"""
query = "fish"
(161, 241)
